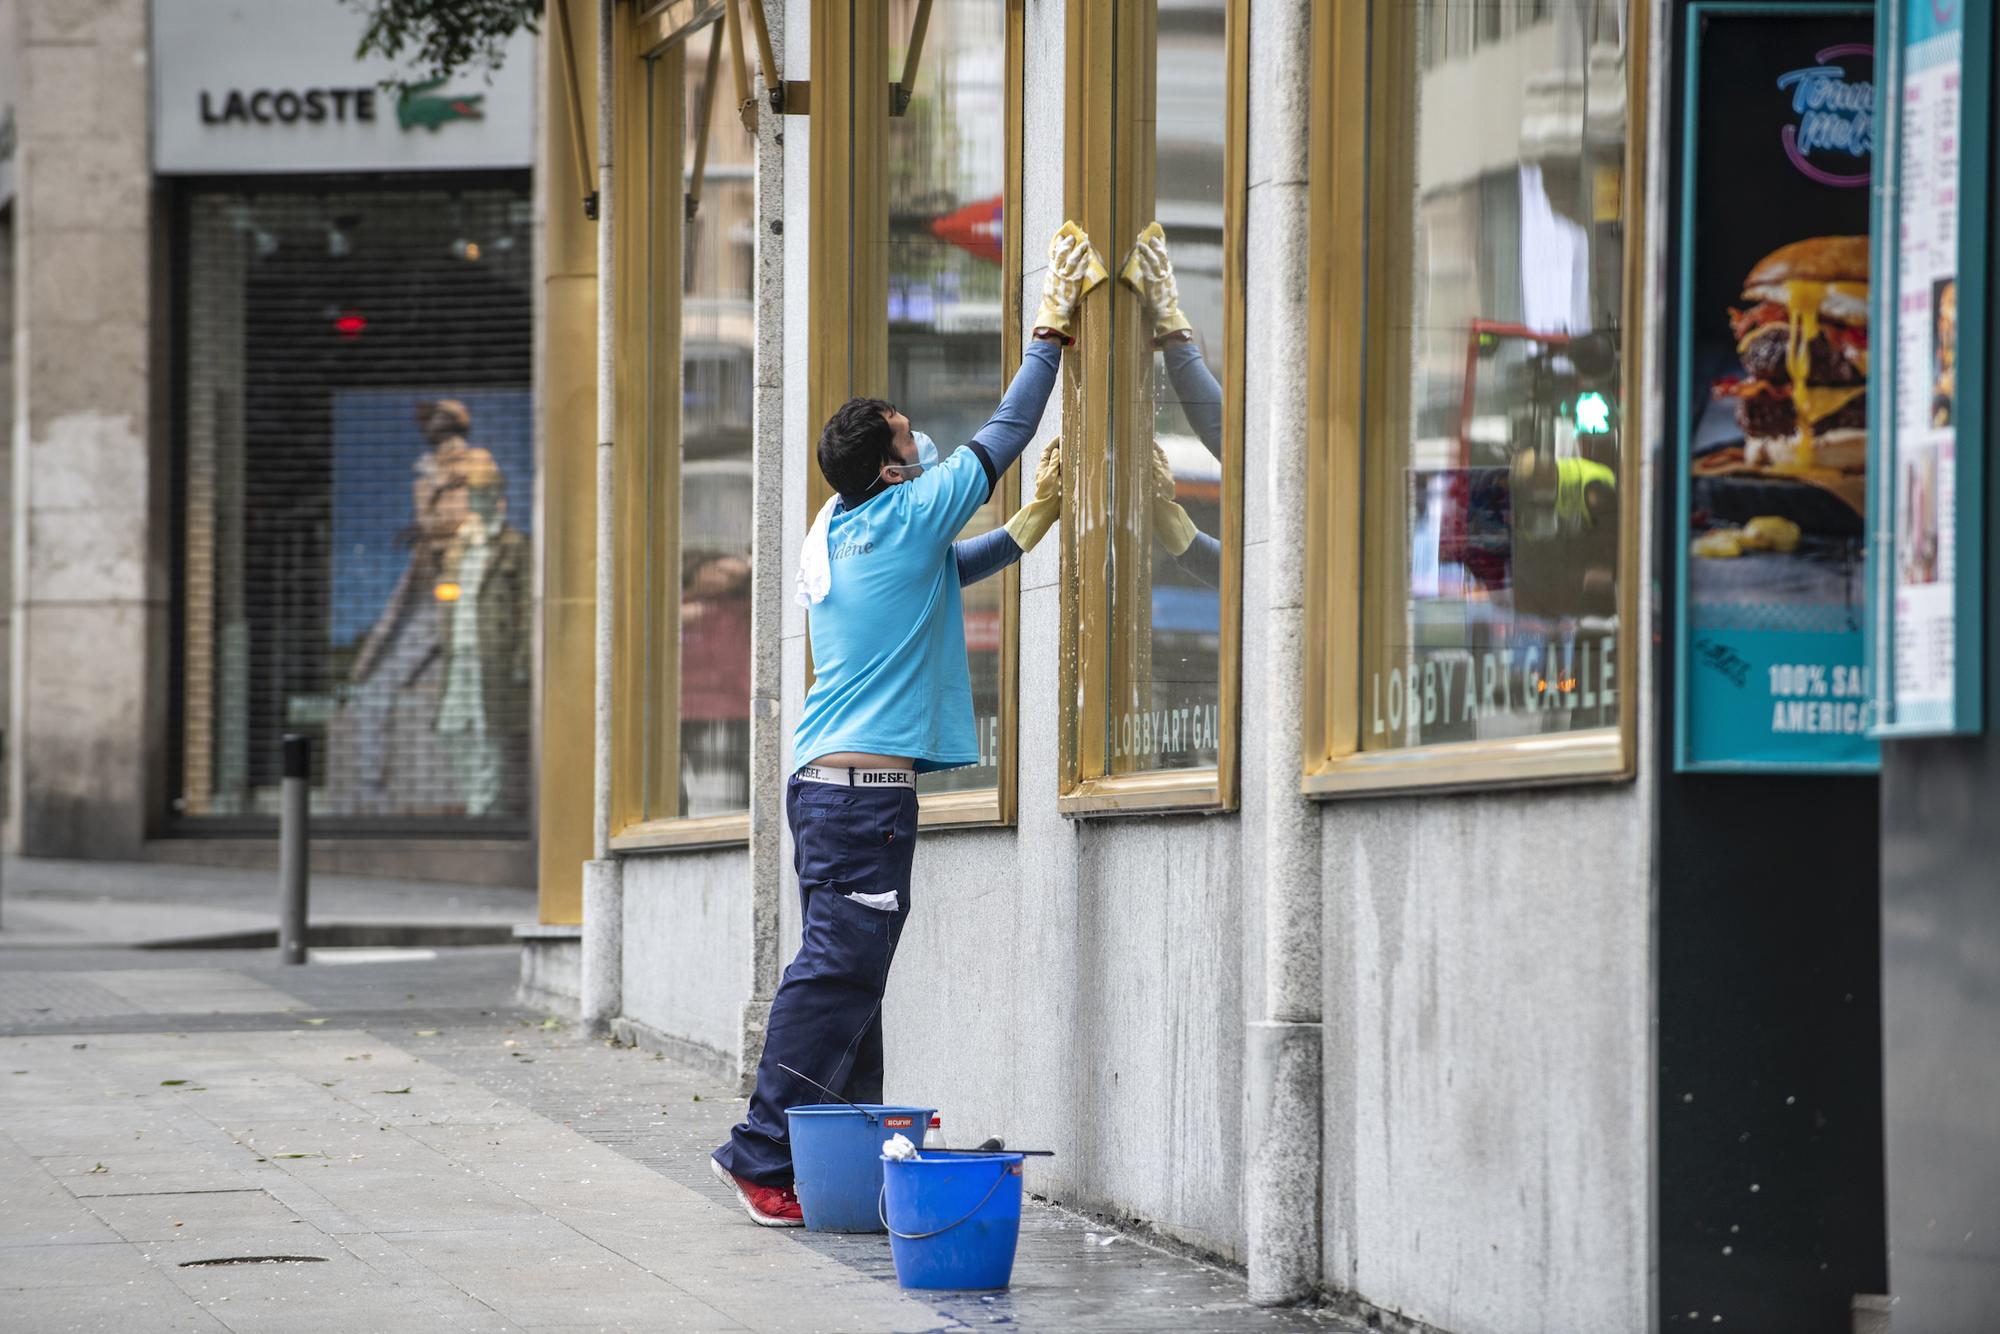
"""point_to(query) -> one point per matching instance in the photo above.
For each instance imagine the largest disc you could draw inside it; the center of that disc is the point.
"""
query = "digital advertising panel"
(1773, 383)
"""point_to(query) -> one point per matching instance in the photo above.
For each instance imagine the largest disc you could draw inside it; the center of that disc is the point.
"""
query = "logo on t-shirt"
(852, 548)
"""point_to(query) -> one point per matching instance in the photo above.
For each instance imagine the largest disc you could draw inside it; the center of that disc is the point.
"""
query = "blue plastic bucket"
(837, 1160)
(953, 1218)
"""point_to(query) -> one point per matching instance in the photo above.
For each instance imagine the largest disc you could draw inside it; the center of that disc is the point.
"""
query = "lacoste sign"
(419, 107)
(249, 86)
(288, 106)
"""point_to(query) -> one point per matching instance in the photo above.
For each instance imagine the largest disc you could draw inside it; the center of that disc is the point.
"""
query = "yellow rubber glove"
(1033, 520)
(1171, 523)
(1074, 269)
(1149, 272)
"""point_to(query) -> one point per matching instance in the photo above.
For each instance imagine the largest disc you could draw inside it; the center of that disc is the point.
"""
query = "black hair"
(856, 443)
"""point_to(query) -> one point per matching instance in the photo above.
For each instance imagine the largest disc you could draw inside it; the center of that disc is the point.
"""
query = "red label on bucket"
(897, 1122)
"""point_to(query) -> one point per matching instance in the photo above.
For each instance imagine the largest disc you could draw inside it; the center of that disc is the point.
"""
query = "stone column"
(1282, 1146)
(89, 588)
(6, 449)
(770, 570)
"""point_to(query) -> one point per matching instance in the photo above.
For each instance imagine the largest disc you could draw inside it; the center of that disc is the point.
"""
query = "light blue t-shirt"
(888, 639)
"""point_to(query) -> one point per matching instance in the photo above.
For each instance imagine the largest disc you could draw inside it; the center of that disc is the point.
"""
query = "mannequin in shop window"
(482, 588)
(386, 756)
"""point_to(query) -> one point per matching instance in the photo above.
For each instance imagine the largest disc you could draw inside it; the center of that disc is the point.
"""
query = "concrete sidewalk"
(430, 1157)
(71, 904)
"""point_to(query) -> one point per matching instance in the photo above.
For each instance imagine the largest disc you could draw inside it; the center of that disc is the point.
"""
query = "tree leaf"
(445, 35)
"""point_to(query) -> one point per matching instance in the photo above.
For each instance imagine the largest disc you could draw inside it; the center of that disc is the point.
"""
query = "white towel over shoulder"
(815, 562)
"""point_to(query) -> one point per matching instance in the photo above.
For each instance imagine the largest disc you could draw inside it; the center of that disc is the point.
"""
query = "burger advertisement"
(1773, 386)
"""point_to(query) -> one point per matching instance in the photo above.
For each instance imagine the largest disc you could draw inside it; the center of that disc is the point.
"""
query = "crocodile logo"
(422, 105)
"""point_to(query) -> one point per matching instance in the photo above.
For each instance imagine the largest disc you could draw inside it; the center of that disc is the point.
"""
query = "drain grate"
(254, 1260)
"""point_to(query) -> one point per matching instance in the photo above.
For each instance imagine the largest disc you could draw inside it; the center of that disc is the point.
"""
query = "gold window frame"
(651, 222)
(1358, 115)
(661, 23)
(1109, 112)
(848, 351)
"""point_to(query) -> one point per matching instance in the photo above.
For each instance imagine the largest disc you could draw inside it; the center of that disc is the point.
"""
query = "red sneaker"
(768, 1206)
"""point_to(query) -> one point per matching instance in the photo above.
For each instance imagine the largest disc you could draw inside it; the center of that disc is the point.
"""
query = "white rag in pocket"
(879, 902)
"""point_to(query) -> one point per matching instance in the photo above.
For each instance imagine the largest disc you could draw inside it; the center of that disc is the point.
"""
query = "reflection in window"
(946, 169)
(717, 346)
(1492, 520)
(695, 692)
(1165, 703)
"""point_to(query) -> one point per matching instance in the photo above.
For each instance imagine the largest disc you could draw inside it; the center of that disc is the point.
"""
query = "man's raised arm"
(989, 553)
(1149, 272)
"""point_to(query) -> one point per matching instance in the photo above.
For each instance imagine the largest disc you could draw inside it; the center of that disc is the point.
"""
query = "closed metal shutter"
(355, 486)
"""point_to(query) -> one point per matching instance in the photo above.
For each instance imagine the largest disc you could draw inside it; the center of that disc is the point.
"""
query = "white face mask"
(927, 457)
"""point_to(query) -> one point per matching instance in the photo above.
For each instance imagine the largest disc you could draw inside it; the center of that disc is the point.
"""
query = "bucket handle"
(797, 1074)
(882, 1196)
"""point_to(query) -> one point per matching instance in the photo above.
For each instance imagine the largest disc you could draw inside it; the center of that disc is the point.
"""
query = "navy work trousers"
(826, 1020)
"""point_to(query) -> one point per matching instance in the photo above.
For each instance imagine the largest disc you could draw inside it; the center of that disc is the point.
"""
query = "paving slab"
(190, 991)
(572, 1276)
(71, 1265)
(340, 1291)
(57, 904)
(47, 923)
(147, 1303)
(200, 1219)
(37, 1215)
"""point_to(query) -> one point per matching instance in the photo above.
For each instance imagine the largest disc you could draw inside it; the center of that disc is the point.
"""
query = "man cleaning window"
(891, 697)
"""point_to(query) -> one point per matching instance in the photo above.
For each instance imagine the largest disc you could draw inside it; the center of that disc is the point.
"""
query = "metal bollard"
(294, 836)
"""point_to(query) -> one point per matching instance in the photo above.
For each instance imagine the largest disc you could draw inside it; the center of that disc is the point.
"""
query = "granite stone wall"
(89, 585)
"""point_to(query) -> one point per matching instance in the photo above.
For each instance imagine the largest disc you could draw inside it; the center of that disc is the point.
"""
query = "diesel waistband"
(818, 773)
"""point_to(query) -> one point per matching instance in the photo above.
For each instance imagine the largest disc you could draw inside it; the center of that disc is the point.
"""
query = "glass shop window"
(1493, 410)
(685, 494)
(947, 304)
(1150, 450)
(717, 345)
(357, 480)
(1166, 701)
